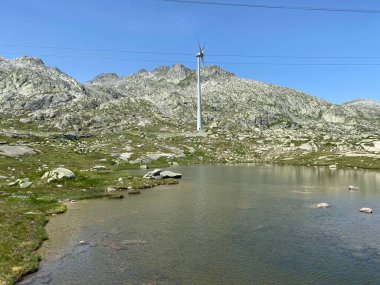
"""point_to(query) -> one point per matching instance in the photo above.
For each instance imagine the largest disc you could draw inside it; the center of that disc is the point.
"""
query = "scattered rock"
(133, 191)
(58, 174)
(366, 210)
(323, 205)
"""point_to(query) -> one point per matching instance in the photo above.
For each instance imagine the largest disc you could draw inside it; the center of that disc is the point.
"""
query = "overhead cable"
(264, 6)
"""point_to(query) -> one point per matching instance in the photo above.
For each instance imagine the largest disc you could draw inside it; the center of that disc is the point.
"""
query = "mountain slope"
(166, 97)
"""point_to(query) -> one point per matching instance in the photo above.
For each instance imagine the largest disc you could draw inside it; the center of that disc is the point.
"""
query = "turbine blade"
(199, 45)
(204, 44)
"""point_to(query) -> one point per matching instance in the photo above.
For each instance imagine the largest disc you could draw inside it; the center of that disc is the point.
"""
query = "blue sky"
(29, 26)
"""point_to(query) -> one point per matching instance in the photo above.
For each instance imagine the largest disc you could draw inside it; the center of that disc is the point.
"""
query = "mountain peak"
(104, 77)
(28, 60)
(214, 70)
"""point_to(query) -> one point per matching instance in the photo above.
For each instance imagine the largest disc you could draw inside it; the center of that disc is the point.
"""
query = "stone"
(143, 166)
(58, 174)
(161, 174)
(170, 174)
(110, 189)
(366, 210)
(323, 205)
(25, 184)
(120, 180)
(133, 192)
(125, 156)
(99, 167)
(351, 187)
(15, 150)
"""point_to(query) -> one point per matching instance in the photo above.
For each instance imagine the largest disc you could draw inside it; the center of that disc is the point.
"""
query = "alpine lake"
(244, 224)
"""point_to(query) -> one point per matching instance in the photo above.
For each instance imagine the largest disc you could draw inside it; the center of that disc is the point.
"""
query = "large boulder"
(161, 174)
(15, 150)
(58, 174)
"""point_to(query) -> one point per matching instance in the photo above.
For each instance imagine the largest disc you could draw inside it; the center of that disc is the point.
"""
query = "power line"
(191, 62)
(263, 6)
(189, 54)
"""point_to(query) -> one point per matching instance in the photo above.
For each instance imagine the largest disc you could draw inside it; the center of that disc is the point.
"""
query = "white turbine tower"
(199, 56)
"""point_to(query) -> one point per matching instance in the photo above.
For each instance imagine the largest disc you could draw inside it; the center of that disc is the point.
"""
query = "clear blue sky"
(150, 25)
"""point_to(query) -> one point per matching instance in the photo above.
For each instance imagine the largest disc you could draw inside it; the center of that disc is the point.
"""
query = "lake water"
(223, 225)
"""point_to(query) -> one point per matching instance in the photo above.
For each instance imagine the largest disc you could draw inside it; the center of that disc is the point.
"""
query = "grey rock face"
(167, 96)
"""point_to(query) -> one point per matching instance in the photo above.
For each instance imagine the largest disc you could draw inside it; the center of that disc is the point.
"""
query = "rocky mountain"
(166, 97)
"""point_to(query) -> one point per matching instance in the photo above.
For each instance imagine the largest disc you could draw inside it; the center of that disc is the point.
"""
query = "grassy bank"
(24, 211)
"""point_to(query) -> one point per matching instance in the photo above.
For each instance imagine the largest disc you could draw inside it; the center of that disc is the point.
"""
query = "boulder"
(58, 174)
(161, 174)
(15, 150)
(170, 174)
(323, 205)
(366, 210)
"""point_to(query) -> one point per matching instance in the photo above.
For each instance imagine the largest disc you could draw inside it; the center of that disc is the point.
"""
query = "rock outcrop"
(58, 174)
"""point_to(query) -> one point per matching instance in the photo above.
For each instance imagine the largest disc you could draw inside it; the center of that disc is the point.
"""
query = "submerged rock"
(351, 187)
(323, 205)
(366, 210)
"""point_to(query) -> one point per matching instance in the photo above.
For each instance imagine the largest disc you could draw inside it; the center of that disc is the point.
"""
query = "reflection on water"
(223, 225)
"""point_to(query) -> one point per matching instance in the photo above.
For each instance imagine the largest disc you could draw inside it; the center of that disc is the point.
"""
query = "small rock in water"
(366, 210)
(323, 205)
(82, 242)
(134, 191)
(351, 187)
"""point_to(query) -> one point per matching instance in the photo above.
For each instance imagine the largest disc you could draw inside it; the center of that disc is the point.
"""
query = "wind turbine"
(199, 56)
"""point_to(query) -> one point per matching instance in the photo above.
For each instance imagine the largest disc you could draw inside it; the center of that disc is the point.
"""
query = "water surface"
(223, 225)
